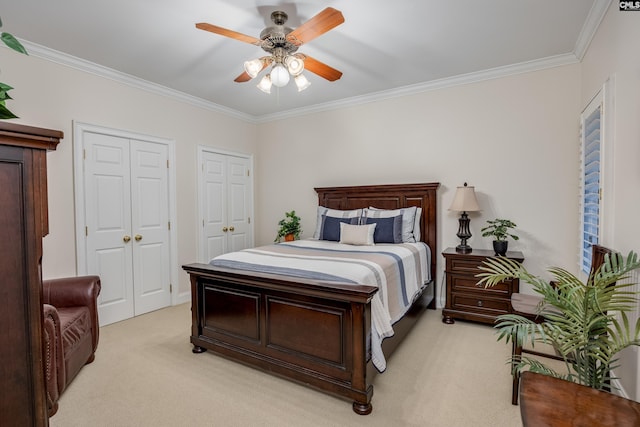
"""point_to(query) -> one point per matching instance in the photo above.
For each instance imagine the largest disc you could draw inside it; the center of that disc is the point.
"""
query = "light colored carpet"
(146, 375)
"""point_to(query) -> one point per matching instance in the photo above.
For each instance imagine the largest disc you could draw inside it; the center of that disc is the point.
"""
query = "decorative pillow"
(408, 219)
(388, 230)
(335, 213)
(330, 227)
(416, 225)
(357, 234)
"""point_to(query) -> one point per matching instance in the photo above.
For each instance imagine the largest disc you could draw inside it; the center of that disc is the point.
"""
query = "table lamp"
(464, 201)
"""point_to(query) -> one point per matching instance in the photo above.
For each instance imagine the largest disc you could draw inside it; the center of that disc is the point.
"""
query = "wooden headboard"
(393, 196)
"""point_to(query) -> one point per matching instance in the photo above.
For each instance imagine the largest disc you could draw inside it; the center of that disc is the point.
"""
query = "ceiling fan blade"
(316, 26)
(321, 69)
(244, 77)
(229, 33)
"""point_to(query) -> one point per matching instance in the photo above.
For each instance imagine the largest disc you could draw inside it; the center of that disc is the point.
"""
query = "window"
(596, 197)
(591, 131)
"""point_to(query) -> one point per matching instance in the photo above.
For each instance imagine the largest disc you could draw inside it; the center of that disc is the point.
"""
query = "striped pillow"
(334, 213)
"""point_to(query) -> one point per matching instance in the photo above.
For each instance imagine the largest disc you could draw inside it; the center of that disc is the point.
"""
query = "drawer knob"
(479, 303)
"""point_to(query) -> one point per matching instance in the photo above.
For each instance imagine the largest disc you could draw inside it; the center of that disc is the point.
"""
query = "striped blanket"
(399, 271)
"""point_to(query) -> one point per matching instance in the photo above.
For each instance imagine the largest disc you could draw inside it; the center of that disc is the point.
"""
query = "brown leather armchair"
(70, 331)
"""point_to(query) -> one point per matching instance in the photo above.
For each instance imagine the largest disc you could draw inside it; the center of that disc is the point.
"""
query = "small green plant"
(289, 225)
(14, 44)
(499, 229)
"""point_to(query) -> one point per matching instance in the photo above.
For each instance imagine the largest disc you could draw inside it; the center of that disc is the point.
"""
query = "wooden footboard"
(316, 335)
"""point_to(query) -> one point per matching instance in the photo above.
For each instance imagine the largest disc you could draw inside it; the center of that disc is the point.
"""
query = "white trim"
(591, 24)
(493, 73)
(79, 130)
(80, 64)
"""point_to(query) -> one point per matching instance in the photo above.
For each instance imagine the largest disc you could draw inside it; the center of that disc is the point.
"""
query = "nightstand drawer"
(467, 283)
(465, 264)
(480, 304)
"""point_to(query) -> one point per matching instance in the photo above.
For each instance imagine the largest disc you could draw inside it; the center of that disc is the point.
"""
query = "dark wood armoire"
(23, 224)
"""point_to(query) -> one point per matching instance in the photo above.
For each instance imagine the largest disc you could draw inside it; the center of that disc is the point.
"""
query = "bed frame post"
(361, 330)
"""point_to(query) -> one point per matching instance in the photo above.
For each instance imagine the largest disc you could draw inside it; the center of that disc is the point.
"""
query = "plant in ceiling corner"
(14, 44)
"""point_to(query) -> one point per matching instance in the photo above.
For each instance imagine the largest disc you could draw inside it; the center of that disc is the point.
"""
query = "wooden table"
(548, 401)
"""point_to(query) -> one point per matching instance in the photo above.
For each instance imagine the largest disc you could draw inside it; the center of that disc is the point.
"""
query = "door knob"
(138, 237)
(232, 228)
(126, 239)
(225, 229)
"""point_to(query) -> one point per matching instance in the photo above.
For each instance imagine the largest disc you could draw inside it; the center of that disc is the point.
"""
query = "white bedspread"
(399, 271)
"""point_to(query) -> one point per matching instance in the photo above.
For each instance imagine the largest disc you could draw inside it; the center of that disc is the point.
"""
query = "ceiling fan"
(282, 44)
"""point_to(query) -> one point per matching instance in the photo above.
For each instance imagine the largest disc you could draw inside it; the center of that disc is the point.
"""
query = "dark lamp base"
(463, 249)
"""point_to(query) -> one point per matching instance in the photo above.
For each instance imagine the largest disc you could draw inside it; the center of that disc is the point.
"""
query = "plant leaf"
(6, 114)
(13, 43)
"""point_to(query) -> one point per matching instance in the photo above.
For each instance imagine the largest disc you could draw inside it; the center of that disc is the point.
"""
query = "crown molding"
(590, 27)
(127, 79)
(493, 73)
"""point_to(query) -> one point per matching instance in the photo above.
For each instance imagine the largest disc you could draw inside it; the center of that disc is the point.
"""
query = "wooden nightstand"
(466, 300)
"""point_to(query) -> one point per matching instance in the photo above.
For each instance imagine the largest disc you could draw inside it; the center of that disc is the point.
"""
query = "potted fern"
(499, 230)
(585, 322)
(289, 227)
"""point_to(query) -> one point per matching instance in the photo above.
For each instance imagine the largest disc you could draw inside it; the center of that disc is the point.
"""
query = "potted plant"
(14, 44)
(499, 229)
(289, 227)
(585, 322)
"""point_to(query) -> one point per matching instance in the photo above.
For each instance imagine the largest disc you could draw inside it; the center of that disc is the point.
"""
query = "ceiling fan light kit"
(301, 82)
(279, 75)
(282, 44)
(253, 67)
(294, 64)
(265, 84)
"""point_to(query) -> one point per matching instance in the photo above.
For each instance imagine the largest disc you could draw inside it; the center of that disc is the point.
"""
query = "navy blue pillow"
(330, 229)
(388, 230)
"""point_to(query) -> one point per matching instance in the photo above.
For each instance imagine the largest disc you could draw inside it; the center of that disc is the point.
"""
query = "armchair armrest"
(74, 292)
(71, 291)
(53, 357)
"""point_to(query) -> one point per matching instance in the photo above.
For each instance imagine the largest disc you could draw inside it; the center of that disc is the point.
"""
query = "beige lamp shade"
(465, 200)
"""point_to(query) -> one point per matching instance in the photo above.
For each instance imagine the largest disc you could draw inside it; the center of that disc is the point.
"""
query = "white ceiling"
(383, 48)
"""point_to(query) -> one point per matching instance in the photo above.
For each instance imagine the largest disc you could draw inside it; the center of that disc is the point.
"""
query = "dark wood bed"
(309, 332)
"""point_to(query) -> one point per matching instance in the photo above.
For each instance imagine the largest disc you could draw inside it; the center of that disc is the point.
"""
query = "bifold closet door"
(127, 217)
(226, 188)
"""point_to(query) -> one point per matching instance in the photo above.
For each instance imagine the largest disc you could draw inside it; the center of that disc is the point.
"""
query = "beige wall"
(515, 139)
(613, 52)
(53, 96)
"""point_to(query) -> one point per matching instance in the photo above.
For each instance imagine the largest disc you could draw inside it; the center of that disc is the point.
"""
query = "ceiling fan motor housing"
(274, 38)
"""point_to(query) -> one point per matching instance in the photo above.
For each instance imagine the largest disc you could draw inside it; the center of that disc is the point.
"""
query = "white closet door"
(108, 222)
(239, 203)
(214, 211)
(127, 217)
(150, 226)
(225, 185)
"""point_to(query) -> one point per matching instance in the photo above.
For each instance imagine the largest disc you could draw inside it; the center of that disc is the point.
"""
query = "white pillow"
(357, 234)
(408, 219)
(335, 213)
